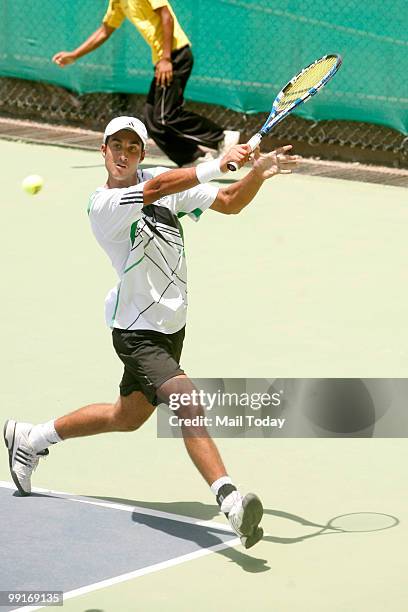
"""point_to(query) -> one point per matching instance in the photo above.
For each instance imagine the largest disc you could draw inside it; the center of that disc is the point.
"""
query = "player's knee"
(125, 420)
(128, 425)
(130, 412)
(191, 411)
(128, 421)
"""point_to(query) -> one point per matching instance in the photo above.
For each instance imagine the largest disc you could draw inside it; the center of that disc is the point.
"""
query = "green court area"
(309, 281)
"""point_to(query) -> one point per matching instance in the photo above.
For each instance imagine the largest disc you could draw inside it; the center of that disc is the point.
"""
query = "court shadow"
(198, 510)
(86, 166)
(204, 536)
(18, 495)
(208, 512)
(147, 166)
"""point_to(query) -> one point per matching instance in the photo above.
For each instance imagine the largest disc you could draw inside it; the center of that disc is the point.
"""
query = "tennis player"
(135, 219)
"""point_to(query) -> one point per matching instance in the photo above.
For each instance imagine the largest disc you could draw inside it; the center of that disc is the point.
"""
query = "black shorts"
(150, 358)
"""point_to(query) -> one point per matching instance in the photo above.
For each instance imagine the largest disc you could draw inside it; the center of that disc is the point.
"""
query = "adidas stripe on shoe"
(23, 460)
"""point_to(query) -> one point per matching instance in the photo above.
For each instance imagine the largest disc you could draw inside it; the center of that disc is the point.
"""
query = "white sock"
(229, 497)
(43, 435)
(217, 484)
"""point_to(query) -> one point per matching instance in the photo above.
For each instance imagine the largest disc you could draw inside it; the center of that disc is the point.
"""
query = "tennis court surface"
(310, 281)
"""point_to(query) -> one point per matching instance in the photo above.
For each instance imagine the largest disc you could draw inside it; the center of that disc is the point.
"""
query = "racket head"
(302, 87)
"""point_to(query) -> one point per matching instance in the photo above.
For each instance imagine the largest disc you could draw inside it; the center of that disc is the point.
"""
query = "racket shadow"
(355, 522)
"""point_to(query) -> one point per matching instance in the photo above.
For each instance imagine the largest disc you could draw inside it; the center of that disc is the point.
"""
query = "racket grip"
(253, 143)
(233, 166)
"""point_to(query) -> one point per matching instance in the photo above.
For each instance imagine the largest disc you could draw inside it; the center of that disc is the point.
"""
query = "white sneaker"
(231, 138)
(244, 516)
(22, 458)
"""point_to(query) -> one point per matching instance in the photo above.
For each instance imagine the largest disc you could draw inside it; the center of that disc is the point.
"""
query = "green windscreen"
(245, 51)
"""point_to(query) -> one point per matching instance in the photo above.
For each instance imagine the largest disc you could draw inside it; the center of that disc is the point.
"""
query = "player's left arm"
(232, 199)
(164, 67)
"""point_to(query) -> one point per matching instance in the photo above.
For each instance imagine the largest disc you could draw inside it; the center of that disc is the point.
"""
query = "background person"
(177, 131)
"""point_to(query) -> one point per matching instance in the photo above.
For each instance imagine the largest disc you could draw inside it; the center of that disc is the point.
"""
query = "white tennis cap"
(126, 123)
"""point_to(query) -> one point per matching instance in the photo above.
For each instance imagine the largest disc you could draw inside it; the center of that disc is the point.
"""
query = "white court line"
(127, 508)
(146, 570)
(143, 571)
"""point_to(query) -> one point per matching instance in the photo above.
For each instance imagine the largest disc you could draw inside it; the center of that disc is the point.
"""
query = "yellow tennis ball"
(32, 184)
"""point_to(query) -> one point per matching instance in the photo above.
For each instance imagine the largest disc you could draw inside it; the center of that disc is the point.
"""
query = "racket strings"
(310, 78)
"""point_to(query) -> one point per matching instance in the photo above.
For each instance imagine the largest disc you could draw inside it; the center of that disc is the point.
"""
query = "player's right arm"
(181, 179)
(95, 40)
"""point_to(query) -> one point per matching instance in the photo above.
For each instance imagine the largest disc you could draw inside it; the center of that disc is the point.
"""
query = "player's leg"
(128, 413)
(200, 446)
(27, 443)
(243, 513)
(152, 360)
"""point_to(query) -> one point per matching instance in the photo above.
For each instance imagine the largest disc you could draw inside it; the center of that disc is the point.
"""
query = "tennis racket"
(300, 89)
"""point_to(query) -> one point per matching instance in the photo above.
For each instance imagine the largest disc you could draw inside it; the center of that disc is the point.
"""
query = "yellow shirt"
(143, 16)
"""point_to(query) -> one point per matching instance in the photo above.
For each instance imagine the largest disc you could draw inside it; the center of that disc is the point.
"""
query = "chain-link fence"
(342, 140)
(245, 50)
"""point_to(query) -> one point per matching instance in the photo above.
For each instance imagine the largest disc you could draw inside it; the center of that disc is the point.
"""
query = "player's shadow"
(33, 494)
(194, 509)
(205, 536)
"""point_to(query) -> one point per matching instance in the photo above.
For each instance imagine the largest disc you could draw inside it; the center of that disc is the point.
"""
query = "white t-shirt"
(146, 248)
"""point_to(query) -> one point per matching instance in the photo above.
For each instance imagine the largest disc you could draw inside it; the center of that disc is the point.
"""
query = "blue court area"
(73, 542)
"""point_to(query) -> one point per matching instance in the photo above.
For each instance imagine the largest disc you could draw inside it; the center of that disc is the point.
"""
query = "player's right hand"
(63, 58)
(238, 153)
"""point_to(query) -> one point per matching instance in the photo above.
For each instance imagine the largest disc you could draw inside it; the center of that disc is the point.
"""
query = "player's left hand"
(164, 72)
(238, 153)
(279, 161)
